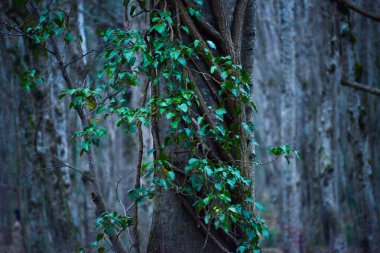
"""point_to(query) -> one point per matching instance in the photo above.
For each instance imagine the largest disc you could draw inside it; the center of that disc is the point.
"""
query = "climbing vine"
(217, 185)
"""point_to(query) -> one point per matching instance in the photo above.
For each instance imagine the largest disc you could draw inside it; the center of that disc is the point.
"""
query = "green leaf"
(245, 76)
(225, 198)
(265, 233)
(209, 171)
(191, 11)
(213, 68)
(188, 132)
(241, 249)
(101, 250)
(259, 206)
(171, 175)
(297, 154)
(220, 112)
(185, 29)
(174, 124)
(219, 186)
(99, 237)
(183, 107)
(207, 218)
(182, 61)
(68, 37)
(211, 44)
(160, 28)
(132, 11)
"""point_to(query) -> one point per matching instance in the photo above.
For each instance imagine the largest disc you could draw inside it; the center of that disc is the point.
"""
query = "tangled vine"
(215, 177)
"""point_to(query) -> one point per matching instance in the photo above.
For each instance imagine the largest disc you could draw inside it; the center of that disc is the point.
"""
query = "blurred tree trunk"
(304, 49)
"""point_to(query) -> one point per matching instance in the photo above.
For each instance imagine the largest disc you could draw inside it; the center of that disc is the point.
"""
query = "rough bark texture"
(304, 49)
(175, 225)
(51, 203)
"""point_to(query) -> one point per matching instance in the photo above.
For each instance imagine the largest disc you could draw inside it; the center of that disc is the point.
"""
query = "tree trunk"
(175, 225)
(333, 126)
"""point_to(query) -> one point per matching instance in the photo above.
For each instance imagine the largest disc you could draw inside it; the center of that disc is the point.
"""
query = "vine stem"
(138, 171)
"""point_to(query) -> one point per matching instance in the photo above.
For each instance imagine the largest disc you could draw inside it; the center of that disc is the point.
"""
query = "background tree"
(304, 52)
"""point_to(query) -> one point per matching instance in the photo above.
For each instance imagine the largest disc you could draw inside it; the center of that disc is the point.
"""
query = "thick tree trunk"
(175, 225)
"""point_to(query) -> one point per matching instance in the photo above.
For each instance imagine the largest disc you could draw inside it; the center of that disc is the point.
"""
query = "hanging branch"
(359, 10)
(361, 87)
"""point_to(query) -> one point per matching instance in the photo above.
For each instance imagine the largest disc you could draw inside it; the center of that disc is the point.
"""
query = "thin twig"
(361, 87)
(359, 10)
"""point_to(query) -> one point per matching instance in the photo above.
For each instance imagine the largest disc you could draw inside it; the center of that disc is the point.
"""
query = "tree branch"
(359, 10)
(224, 27)
(206, 26)
(237, 24)
(361, 87)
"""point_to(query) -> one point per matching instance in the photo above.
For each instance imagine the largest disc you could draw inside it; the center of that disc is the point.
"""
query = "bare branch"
(359, 10)
(80, 57)
(361, 87)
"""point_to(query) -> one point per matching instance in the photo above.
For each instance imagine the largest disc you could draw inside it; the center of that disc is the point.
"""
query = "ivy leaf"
(241, 249)
(225, 198)
(245, 76)
(174, 124)
(160, 28)
(191, 11)
(99, 237)
(185, 29)
(207, 218)
(133, 9)
(211, 44)
(183, 107)
(171, 175)
(297, 154)
(220, 112)
(68, 37)
(232, 209)
(182, 61)
(259, 206)
(213, 68)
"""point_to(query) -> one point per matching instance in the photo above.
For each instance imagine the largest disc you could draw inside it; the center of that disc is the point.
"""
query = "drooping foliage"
(218, 185)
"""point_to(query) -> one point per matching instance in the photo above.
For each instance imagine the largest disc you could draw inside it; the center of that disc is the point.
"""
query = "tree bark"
(175, 225)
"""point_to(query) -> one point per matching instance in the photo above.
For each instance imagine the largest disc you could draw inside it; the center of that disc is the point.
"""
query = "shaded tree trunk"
(330, 124)
(175, 226)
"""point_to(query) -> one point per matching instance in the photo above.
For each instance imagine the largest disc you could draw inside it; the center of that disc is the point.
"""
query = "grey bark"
(333, 126)
(174, 223)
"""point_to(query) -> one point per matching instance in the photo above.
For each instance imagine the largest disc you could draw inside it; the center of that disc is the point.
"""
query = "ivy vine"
(148, 58)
